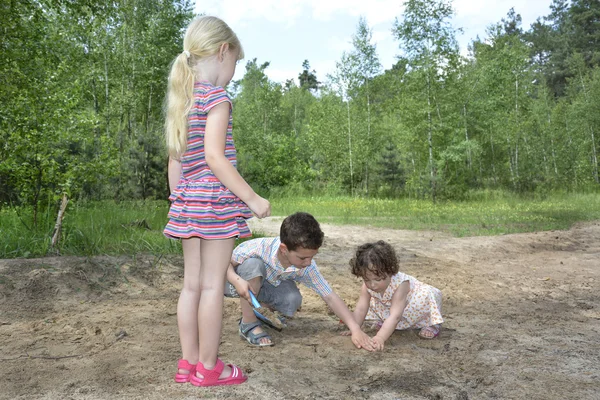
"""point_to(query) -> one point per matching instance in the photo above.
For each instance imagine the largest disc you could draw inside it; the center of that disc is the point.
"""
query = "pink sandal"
(211, 376)
(183, 378)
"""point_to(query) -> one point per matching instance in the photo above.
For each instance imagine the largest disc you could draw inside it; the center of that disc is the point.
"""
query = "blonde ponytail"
(202, 40)
(179, 102)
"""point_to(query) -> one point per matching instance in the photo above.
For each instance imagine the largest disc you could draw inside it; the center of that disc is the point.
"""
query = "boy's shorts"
(285, 297)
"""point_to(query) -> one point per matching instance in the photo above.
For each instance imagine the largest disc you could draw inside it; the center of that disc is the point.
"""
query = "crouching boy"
(271, 267)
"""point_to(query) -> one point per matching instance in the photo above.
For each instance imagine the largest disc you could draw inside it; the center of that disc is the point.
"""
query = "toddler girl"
(391, 298)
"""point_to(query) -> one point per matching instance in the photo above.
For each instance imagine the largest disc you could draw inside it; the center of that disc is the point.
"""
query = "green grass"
(89, 229)
(122, 228)
(491, 214)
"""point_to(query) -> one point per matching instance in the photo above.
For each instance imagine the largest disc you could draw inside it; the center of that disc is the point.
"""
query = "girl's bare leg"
(215, 257)
(189, 299)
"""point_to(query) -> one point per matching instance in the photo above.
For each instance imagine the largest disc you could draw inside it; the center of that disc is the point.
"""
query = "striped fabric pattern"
(201, 206)
(266, 250)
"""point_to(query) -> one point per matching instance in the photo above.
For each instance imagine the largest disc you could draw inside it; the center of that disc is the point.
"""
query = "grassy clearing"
(491, 214)
(136, 227)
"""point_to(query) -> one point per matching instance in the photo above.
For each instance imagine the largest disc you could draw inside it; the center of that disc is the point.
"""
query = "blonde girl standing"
(210, 201)
(392, 299)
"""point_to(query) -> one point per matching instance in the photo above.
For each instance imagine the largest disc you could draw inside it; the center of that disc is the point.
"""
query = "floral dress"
(423, 308)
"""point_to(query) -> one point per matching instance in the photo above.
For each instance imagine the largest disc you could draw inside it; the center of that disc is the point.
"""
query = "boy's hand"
(345, 333)
(377, 343)
(362, 341)
(243, 288)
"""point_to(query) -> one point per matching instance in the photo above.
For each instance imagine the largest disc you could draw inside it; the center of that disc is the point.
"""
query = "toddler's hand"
(260, 207)
(345, 333)
(377, 343)
(362, 341)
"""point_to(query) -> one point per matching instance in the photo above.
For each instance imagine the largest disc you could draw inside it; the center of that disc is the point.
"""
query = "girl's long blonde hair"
(203, 38)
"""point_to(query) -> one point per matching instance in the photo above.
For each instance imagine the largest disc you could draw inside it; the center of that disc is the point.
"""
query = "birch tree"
(367, 65)
(427, 37)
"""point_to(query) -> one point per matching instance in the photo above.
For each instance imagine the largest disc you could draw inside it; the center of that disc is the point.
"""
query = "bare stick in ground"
(58, 225)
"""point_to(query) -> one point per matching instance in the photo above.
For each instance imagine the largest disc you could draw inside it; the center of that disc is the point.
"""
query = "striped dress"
(201, 206)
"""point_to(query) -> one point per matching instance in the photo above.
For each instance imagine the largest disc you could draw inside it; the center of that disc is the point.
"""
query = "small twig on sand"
(42, 357)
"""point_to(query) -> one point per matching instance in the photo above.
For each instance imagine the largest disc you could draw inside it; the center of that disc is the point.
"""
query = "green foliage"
(82, 91)
(83, 85)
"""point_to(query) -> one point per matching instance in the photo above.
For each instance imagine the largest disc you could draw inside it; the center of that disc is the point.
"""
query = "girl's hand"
(377, 343)
(260, 207)
(362, 341)
(243, 288)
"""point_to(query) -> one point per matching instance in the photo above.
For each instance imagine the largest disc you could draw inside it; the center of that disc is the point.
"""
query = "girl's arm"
(214, 149)
(174, 173)
(362, 306)
(399, 302)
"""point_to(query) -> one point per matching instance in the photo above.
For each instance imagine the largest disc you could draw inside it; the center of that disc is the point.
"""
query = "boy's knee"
(292, 301)
(252, 268)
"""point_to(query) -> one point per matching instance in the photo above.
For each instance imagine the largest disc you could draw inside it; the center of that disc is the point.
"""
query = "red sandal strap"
(210, 375)
(184, 364)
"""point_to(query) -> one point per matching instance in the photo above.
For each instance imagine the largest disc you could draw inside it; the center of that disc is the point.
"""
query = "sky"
(287, 32)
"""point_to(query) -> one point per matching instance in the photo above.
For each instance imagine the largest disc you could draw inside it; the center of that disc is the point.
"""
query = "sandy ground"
(522, 322)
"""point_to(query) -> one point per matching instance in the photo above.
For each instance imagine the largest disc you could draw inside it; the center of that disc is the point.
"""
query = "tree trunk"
(467, 136)
(295, 117)
(59, 219)
(553, 155)
(36, 197)
(368, 140)
(493, 159)
(573, 160)
(106, 93)
(517, 126)
(350, 149)
(149, 112)
(510, 163)
(430, 139)
(594, 156)
(551, 138)
(265, 125)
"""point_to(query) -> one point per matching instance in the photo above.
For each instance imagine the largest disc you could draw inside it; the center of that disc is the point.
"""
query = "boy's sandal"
(429, 332)
(184, 378)
(247, 332)
(210, 377)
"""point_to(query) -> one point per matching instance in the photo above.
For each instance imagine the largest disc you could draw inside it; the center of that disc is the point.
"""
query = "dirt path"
(522, 322)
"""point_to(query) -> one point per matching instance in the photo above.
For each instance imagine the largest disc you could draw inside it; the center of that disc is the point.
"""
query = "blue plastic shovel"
(255, 306)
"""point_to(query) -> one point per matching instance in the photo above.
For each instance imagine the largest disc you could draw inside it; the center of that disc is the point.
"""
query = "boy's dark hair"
(301, 230)
(379, 258)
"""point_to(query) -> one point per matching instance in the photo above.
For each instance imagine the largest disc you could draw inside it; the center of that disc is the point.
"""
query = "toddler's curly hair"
(378, 258)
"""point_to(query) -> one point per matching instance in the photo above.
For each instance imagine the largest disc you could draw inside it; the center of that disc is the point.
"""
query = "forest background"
(83, 85)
